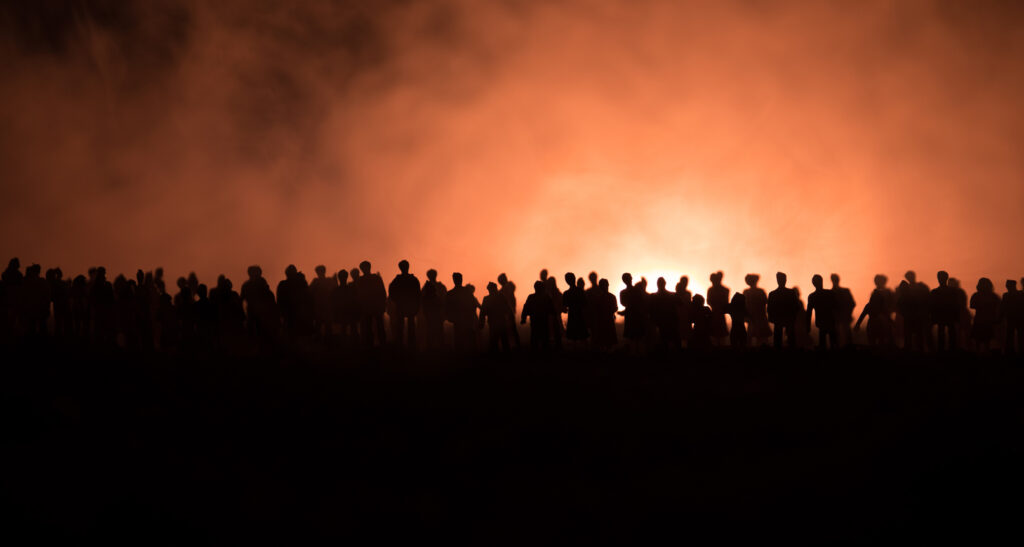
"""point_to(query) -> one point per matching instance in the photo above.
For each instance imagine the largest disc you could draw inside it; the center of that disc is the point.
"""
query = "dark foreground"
(848, 448)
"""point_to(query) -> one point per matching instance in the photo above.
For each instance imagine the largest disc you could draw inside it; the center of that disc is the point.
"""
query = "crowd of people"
(354, 308)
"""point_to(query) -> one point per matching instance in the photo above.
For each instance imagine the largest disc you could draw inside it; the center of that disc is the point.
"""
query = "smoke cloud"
(654, 137)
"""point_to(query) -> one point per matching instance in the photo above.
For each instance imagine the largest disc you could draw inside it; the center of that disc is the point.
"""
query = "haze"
(651, 137)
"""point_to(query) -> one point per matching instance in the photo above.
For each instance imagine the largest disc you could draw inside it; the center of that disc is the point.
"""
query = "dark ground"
(846, 448)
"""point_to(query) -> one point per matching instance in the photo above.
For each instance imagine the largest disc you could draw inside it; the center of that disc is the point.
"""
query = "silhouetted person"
(700, 335)
(404, 293)
(227, 306)
(79, 297)
(985, 304)
(574, 303)
(685, 303)
(345, 308)
(912, 303)
(665, 315)
(822, 304)
(539, 309)
(845, 304)
(557, 327)
(945, 312)
(494, 311)
(35, 302)
(124, 312)
(879, 310)
(372, 298)
(432, 297)
(783, 306)
(261, 309)
(634, 299)
(60, 295)
(322, 288)
(738, 316)
(508, 290)
(1012, 314)
(460, 306)
(10, 296)
(206, 317)
(718, 300)
(603, 335)
(759, 330)
(963, 328)
(592, 297)
(101, 307)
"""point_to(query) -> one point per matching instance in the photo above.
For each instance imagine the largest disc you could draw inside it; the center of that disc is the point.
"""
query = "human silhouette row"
(347, 309)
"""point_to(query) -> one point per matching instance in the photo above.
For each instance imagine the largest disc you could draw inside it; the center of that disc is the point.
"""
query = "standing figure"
(782, 310)
(985, 304)
(665, 316)
(539, 309)
(945, 312)
(508, 290)
(633, 299)
(322, 288)
(718, 300)
(495, 311)
(1011, 311)
(460, 307)
(604, 335)
(432, 313)
(758, 328)
(822, 304)
(700, 336)
(372, 298)
(845, 305)
(685, 302)
(738, 316)
(574, 302)
(345, 308)
(404, 295)
(879, 310)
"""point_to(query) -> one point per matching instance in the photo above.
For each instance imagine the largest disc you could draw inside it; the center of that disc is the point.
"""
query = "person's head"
(881, 281)
(432, 274)
(716, 278)
(1011, 285)
(780, 278)
(985, 285)
(101, 273)
(683, 283)
(33, 270)
(14, 264)
(342, 276)
(538, 286)
(954, 282)
(592, 276)
(470, 288)
(364, 266)
(403, 266)
(201, 291)
(817, 281)
(321, 271)
(661, 283)
(183, 283)
(603, 285)
(642, 284)
(751, 280)
(226, 285)
(492, 288)
(627, 279)
(835, 280)
(551, 283)
(698, 301)
(943, 277)
(544, 274)
(910, 276)
(570, 279)
(290, 271)
(457, 279)
(354, 273)
(502, 279)
(581, 284)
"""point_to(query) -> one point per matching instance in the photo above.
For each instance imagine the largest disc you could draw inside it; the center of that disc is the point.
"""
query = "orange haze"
(643, 136)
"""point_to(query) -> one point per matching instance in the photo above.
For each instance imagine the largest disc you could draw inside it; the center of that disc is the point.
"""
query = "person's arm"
(863, 314)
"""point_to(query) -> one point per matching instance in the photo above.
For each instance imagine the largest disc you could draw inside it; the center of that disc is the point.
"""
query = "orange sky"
(651, 137)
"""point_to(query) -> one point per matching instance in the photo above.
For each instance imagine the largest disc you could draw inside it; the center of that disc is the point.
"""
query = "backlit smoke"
(652, 137)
